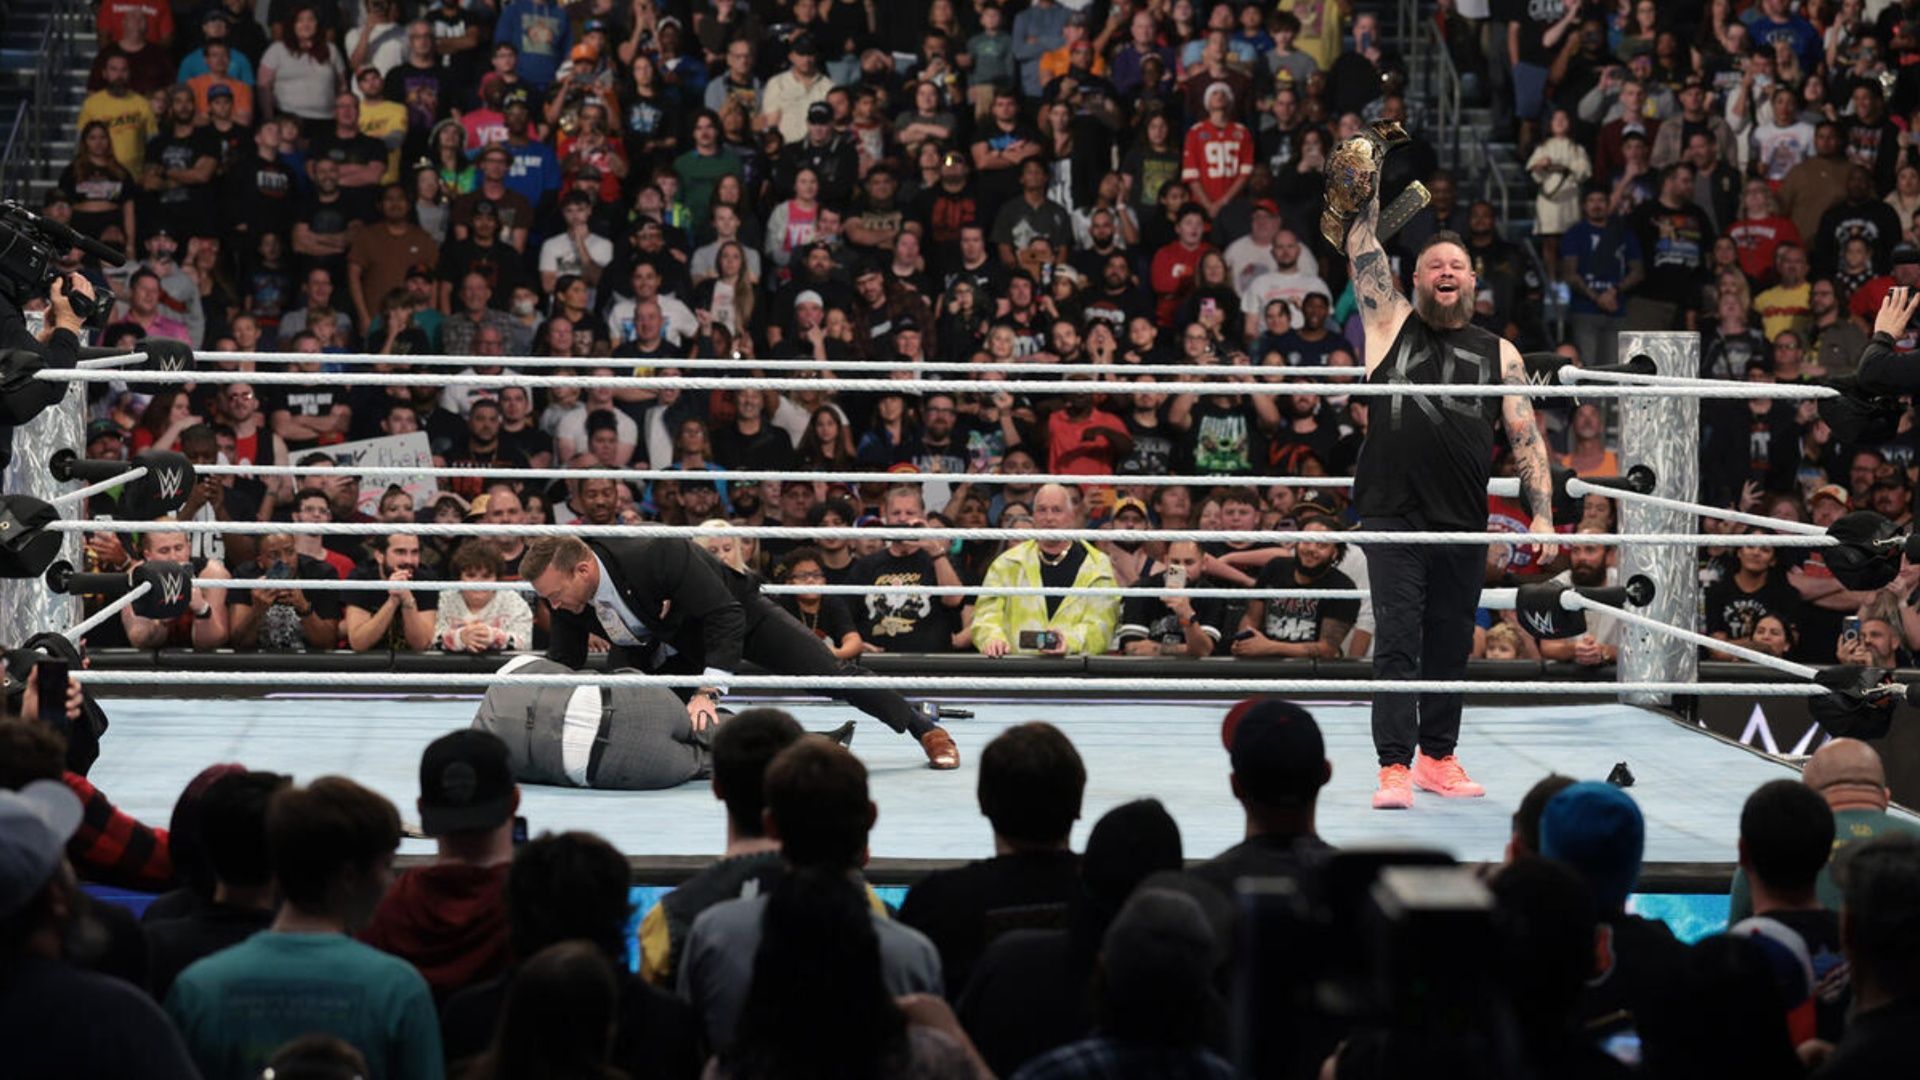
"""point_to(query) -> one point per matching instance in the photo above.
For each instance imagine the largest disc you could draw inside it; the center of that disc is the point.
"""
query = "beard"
(1442, 315)
(1589, 577)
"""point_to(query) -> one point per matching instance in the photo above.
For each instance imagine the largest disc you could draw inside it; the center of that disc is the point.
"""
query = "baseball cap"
(1905, 254)
(586, 52)
(819, 113)
(1317, 500)
(466, 782)
(104, 429)
(35, 824)
(519, 95)
(485, 207)
(215, 14)
(219, 90)
(594, 26)
(808, 296)
(1122, 505)
(1266, 206)
(1597, 829)
(803, 46)
(478, 506)
(906, 324)
(1276, 750)
(1825, 491)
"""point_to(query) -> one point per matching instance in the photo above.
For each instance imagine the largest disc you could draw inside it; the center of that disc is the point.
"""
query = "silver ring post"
(27, 606)
(1663, 434)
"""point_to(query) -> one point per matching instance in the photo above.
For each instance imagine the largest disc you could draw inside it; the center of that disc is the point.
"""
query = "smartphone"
(1244, 635)
(1176, 576)
(1039, 640)
(50, 681)
(1850, 628)
(519, 830)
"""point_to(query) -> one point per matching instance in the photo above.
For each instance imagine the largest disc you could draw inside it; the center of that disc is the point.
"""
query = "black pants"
(1424, 597)
(779, 642)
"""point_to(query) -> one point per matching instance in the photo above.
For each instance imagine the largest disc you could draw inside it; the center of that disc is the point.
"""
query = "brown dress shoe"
(941, 753)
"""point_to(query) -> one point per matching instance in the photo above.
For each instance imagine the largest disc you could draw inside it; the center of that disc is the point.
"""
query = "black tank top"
(1428, 456)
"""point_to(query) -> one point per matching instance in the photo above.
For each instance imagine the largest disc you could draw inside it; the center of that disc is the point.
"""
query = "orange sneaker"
(1396, 789)
(1444, 777)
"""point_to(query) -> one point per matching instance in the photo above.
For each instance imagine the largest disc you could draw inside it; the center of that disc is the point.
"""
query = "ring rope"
(1122, 592)
(1705, 389)
(886, 532)
(1780, 664)
(107, 611)
(1580, 488)
(1499, 485)
(111, 483)
(122, 360)
(287, 680)
(531, 363)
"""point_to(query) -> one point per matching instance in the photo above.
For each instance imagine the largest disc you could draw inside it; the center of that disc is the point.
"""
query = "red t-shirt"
(1758, 239)
(1214, 158)
(1073, 451)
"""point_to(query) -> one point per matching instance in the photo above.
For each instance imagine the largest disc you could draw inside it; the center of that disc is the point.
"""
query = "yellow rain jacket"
(1085, 623)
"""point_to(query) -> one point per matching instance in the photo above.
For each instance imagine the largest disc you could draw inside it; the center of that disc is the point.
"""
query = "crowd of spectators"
(287, 945)
(631, 185)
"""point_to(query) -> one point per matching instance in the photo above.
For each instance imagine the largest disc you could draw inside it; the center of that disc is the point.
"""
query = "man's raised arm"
(1382, 308)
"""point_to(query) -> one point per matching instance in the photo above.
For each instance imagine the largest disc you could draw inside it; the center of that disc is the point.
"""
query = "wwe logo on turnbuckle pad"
(173, 588)
(1542, 623)
(171, 482)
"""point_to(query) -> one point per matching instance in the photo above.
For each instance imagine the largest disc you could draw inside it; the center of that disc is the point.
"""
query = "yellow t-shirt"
(1784, 308)
(129, 121)
(380, 119)
(1320, 28)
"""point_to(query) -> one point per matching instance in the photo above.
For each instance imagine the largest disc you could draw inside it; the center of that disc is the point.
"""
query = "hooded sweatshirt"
(449, 920)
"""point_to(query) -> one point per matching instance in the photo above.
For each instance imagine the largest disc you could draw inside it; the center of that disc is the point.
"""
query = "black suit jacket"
(709, 605)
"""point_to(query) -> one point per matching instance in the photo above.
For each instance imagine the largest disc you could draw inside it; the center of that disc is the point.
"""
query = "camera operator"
(22, 397)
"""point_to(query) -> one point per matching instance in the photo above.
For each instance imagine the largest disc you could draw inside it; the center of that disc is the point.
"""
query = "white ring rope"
(1580, 488)
(531, 363)
(1499, 485)
(1736, 391)
(310, 680)
(109, 484)
(121, 360)
(883, 532)
(107, 611)
(1755, 656)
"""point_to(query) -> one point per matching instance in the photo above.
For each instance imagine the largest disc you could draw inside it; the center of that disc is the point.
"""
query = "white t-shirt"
(389, 49)
(1247, 260)
(680, 322)
(1604, 628)
(1292, 288)
(301, 85)
(559, 256)
(573, 428)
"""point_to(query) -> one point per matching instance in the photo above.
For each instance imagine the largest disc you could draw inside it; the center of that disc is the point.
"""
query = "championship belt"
(1353, 180)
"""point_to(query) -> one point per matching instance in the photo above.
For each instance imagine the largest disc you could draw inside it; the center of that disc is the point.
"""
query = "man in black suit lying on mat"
(666, 605)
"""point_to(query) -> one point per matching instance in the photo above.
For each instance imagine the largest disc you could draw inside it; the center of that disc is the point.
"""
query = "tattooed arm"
(1529, 449)
(1382, 308)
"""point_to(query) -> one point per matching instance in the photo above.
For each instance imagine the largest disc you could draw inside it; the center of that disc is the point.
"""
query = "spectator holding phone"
(1174, 625)
(1052, 625)
(284, 618)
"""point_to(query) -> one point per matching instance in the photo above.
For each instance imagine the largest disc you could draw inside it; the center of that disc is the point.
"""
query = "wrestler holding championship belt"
(1424, 466)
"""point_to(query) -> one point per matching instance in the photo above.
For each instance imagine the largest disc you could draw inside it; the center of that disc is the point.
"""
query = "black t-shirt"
(901, 623)
(950, 458)
(57, 1019)
(1733, 611)
(355, 149)
(769, 448)
(1148, 618)
(831, 624)
(1674, 244)
(1153, 447)
(1062, 574)
(262, 196)
(173, 944)
(331, 217)
(498, 262)
(422, 90)
(1428, 457)
(310, 400)
(1225, 439)
(464, 454)
(1535, 17)
(529, 443)
(171, 151)
(370, 600)
(1296, 620)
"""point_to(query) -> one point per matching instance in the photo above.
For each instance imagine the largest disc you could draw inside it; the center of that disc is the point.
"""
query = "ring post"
(1662, 433)
(27, 606)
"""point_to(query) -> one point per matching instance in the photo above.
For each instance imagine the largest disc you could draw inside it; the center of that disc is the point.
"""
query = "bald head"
(1848, 774)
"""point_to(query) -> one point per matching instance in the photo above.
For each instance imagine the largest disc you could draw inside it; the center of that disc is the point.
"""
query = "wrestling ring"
(1155, 734)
